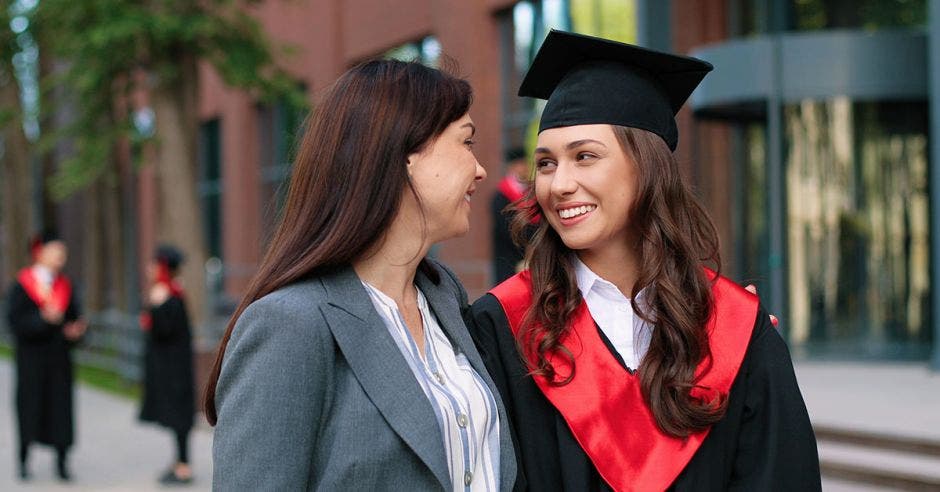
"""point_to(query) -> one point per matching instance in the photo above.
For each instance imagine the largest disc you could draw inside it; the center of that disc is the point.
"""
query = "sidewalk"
(897, 399)
(113, 451)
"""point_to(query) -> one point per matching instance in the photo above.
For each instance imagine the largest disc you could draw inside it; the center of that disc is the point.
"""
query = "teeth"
(466, 197)
(568, 213)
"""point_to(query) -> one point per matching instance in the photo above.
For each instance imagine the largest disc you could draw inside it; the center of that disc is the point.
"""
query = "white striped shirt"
(465, 408)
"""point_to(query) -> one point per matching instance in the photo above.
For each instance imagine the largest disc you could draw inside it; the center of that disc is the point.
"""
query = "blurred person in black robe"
(624, 363)
(169, 394)
(43, 314)
(507, 256)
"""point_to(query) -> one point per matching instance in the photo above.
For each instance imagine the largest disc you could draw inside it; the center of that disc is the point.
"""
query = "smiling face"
(585, 184)
(444, 175)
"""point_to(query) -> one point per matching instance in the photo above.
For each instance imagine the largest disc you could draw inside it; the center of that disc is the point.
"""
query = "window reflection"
(754, 17)
(426, 51)
(525, 26)
(857, 224)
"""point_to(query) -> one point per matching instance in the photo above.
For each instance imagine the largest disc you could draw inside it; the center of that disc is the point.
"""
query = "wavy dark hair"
(349, 174)
(675, 238)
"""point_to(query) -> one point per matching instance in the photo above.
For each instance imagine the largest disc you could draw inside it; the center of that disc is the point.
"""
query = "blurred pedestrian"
(169, 394)
(507, 256)
(347, 365)
(44, 316)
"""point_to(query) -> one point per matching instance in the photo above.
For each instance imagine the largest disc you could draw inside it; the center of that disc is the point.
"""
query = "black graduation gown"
(506, 255)
(764, 442)
(169, 393)
(43, 371)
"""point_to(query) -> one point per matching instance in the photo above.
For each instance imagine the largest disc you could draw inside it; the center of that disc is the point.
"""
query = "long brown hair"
(674, 238)
(349, 175)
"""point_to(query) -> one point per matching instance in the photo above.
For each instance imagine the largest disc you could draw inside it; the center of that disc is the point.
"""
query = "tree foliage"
(104, 45)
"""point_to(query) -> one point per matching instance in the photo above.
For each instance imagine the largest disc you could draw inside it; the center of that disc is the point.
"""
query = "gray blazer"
(315, 395)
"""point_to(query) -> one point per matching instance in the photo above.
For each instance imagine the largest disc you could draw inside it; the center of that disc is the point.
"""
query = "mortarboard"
(40, 239)
(589, 80)
(169, 256)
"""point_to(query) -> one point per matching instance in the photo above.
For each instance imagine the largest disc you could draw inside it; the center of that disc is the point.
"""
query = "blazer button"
(440, 379)
(467, 478)
(462, 420)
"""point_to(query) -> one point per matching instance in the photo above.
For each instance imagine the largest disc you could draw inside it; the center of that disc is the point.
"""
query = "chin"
(576, 243)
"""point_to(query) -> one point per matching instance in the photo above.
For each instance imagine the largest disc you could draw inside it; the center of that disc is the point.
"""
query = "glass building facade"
(828, 140)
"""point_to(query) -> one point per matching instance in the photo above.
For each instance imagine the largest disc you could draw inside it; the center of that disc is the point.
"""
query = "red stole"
(163, 277)
(511, 188)
(58, 296)
(603, 404)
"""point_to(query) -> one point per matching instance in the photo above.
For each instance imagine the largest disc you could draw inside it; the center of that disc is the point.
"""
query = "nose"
(564, 181)
(480, 173)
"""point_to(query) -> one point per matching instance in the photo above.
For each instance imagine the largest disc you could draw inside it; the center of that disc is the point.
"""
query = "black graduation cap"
(589, 80)
(514, 154)
(41, 238)
(169, 256)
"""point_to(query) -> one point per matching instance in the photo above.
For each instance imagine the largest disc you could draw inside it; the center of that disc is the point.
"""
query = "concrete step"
(897, 442)
(878, 460)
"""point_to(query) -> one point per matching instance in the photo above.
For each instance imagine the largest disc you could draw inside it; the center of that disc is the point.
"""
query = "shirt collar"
(43, 274)
(588, 281)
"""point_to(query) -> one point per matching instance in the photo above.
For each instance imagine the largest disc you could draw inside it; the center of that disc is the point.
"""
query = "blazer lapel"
(382, 370)
(449, 314)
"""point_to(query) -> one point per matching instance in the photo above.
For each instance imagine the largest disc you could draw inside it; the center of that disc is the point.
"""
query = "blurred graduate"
(44, 316)
(169, 392)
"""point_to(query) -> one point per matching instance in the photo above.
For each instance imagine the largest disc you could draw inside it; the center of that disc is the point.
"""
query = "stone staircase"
(878, 461)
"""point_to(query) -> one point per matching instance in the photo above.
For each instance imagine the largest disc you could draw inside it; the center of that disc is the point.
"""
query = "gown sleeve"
(776, 447)
(24, 318)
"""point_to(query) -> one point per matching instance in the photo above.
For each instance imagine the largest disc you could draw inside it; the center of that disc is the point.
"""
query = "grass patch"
(107, 381)
(95, 377)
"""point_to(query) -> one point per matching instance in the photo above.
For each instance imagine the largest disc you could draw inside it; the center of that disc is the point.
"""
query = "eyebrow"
(473, 128)
(571, 145)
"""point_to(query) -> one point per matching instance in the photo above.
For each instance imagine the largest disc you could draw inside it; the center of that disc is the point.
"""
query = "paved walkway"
(113, 451)
(116, 453)
(897, 399)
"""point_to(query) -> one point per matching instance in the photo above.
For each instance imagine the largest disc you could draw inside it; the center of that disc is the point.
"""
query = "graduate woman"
(44, 316)
(169, 393)
(348, 365)
(623, 361)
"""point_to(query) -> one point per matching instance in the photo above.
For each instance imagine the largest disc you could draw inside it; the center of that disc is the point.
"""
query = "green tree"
(15, 173)
(114, 49)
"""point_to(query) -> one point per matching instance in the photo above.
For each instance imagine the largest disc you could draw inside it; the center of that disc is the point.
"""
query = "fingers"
(751, 288)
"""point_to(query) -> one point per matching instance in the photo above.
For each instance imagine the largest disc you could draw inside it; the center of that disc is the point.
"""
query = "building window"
(426, 51)
(754, 17)
(210, 184)
(524, 27)
(280, 127)
(857, 226)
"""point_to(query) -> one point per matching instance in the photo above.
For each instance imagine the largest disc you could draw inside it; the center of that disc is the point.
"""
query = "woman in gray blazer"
(347, 365)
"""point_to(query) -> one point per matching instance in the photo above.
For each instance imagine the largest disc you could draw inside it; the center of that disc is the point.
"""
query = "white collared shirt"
(613, 313)
(465, 409)
(43, 275)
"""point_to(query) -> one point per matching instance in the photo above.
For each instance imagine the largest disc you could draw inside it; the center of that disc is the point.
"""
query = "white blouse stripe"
(463, 404)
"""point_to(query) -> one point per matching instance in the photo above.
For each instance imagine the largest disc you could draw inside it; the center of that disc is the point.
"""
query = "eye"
(545, 165)
(583, 156)
(469, 143)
